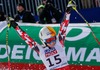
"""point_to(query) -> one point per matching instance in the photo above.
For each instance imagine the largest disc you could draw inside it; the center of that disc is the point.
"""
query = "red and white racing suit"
(54, 58)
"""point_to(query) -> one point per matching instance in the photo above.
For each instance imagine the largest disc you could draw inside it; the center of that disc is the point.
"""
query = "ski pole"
(7, 33)
(88, 25)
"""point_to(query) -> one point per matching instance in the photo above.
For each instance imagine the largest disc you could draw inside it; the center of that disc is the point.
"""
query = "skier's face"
(51, 41)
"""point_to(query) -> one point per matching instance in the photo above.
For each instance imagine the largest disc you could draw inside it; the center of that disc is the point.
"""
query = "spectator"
(48, 13)
(2, 16)
(23, 15)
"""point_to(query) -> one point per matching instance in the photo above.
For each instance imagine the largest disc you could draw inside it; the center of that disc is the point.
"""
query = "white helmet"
(45, 33)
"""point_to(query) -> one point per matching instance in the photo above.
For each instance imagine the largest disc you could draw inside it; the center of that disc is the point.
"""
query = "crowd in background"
(46, 11)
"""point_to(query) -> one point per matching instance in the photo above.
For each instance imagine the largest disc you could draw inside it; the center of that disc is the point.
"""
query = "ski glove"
(12, 23)
(70, 6)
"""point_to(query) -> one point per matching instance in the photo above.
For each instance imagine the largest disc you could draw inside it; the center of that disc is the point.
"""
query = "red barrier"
(25, 66)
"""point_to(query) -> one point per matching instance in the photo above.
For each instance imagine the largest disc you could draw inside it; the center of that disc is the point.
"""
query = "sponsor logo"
(82, 54)
(50, 52)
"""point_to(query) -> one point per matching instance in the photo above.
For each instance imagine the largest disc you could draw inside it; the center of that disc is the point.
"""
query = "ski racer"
(52, 53)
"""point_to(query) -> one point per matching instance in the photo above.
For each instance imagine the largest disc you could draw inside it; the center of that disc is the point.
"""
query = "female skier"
(53, 52)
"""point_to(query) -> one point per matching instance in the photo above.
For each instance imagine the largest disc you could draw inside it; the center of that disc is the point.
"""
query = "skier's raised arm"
(25, 36)
(65, 22)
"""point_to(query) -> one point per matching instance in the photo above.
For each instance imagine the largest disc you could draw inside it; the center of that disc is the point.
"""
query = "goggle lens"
(53, 39)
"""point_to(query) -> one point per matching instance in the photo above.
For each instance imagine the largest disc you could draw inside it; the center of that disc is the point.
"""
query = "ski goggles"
(50, 40)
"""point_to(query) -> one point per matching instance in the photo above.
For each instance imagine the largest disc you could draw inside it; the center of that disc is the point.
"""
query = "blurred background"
(88, 8)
